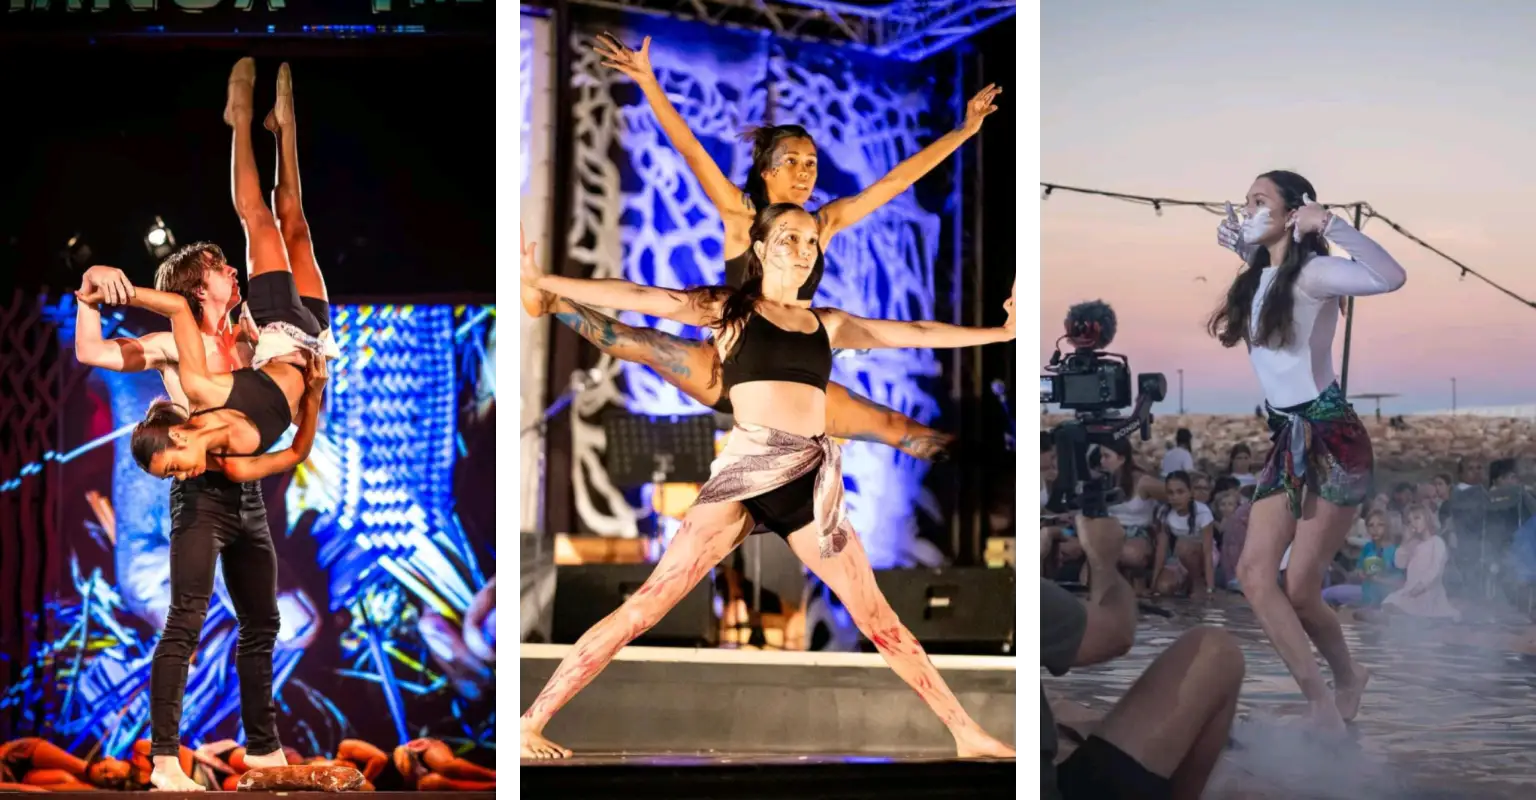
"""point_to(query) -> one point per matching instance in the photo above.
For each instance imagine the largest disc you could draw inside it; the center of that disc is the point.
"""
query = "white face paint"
(1256, 227)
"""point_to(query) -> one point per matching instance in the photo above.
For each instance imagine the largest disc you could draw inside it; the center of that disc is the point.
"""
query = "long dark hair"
(1232, 455)
(742, 301)
(764, 140)
(1230, 322)
(1129, 471)
(1182, 477)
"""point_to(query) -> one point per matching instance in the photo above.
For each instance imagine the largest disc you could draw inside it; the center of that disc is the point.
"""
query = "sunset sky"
(1424, 109)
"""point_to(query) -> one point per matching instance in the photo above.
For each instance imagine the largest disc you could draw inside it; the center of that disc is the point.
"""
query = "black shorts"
(275, 298)
(788, 508)
(1098, 770)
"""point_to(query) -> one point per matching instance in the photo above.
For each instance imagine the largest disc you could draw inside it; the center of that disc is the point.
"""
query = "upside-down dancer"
(784, 170)
(778, 469)
(241, 408)
(1284, 306)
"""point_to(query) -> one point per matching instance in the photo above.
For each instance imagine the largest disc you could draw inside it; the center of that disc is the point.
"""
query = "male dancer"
(200, 273)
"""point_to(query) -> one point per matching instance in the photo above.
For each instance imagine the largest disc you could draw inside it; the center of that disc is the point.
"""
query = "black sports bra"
(766, 352)
(261, 400)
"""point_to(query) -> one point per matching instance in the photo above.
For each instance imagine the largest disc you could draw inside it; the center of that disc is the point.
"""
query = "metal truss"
(909, 30)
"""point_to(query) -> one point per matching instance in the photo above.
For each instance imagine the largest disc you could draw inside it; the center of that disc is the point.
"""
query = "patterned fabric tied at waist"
(756, 460)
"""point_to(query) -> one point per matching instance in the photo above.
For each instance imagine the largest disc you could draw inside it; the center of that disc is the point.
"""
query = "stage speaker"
(587, 593)
(537, 589)
(953, 610)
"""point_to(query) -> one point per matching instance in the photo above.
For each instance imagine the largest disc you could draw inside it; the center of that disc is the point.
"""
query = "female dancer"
(1189, 524)
(778, 469)
(1284, 306)
(693, 365)
(288, 303)
(783, 165)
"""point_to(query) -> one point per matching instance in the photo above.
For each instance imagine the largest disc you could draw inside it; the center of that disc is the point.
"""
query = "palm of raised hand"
(615, 54)
(980, 106)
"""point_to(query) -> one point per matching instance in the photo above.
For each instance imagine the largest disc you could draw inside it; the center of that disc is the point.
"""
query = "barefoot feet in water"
(979, 744)
(168, 777)
(1347, 694)
(534, 745)
(242, 91)
(1324, 718)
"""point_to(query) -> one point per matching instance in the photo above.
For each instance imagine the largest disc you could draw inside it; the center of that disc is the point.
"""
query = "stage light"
(159, 241)
(77, 254)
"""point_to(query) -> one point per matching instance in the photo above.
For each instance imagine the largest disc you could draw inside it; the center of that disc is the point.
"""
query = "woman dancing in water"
(778, 468)
(1284, 306)
(784, 169)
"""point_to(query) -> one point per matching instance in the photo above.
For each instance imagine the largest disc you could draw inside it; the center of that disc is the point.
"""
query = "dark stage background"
(386, 535)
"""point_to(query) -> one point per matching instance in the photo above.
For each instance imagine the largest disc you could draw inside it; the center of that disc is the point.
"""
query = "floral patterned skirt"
(1321, 447)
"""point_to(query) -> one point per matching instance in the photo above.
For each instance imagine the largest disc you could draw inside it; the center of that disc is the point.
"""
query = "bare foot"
(242, 90)
(978, 744)
(534, 745)
(276, 758)
(1324, 717)
(1346, 695)
(168, 777)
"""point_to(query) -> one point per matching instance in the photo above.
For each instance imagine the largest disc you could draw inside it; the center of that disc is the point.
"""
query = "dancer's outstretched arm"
(734, 205)
(857, 333)
(696, 307)
(202, 388)
(846, 211)
(148, 352)
(254, 468)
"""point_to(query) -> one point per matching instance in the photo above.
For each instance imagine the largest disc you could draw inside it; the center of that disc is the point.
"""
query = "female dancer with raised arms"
(778, 468)
(1284, 306)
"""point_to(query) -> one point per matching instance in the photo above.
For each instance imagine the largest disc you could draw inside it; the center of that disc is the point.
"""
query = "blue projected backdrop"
(382, 539)
(640, 214)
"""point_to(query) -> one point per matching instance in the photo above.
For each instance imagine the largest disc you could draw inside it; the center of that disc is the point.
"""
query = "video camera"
(1095, 386)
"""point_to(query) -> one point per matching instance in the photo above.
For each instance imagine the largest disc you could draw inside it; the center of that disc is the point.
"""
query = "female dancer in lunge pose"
(1284, 306)
(245, 412)
(778, 468)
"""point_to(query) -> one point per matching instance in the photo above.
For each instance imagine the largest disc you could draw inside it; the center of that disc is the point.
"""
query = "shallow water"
(1450, 710)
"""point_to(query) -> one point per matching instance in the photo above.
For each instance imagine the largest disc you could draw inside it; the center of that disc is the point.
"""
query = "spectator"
(1376, 572)
(1142, 492)
(1166, 734)
(1424, 556)
(1181, 456)
(1202, 485)
(1189, 525)
(1240, 465)
(1231, 513)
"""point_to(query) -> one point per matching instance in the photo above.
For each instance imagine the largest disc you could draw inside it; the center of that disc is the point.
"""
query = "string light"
(1365, 210)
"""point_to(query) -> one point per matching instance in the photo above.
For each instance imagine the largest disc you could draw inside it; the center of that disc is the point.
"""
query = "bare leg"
(851, 578)
(1192, 557)
(264, 249)
(287, 197)
(1271, 528)
(709, 533)
(1319, 535)
(1176, 717)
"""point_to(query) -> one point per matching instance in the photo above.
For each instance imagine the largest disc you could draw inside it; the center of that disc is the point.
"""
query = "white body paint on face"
(1255, 228)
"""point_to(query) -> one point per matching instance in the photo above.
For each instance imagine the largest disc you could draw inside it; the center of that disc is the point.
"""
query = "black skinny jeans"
(211, 514)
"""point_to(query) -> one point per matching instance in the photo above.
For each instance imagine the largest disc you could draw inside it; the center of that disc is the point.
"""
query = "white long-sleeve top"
(1300, 371)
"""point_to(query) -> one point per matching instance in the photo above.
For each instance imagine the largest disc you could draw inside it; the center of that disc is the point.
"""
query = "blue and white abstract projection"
(648, 220)
(378, 487)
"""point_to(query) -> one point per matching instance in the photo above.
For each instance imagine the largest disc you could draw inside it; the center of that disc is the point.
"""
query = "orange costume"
(31, 764)
(431, 766)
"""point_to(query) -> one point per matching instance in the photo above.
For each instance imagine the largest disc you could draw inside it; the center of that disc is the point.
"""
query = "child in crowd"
(1375, 573)
(1423, 554)
(1190, 526)
(1240, 465)
(1231, 513)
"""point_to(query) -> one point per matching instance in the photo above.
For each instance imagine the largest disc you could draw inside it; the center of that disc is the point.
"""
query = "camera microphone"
(1090, 325)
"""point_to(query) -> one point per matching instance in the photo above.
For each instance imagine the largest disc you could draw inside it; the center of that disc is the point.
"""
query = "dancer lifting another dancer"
(784, 169)
(227, 399)
(1284, 306)
(778, 467)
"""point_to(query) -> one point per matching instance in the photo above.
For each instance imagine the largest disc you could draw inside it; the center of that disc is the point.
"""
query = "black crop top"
(766, 352)
(261, 400)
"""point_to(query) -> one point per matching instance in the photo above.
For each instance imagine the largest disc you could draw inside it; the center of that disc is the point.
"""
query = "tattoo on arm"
(657, 349)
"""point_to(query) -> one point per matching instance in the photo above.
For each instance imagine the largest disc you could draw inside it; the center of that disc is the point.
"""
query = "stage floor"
(1448, 712)
(760, 775)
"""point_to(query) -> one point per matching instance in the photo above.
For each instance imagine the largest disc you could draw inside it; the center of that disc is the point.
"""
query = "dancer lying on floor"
(778, 468)
(1284, 307)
